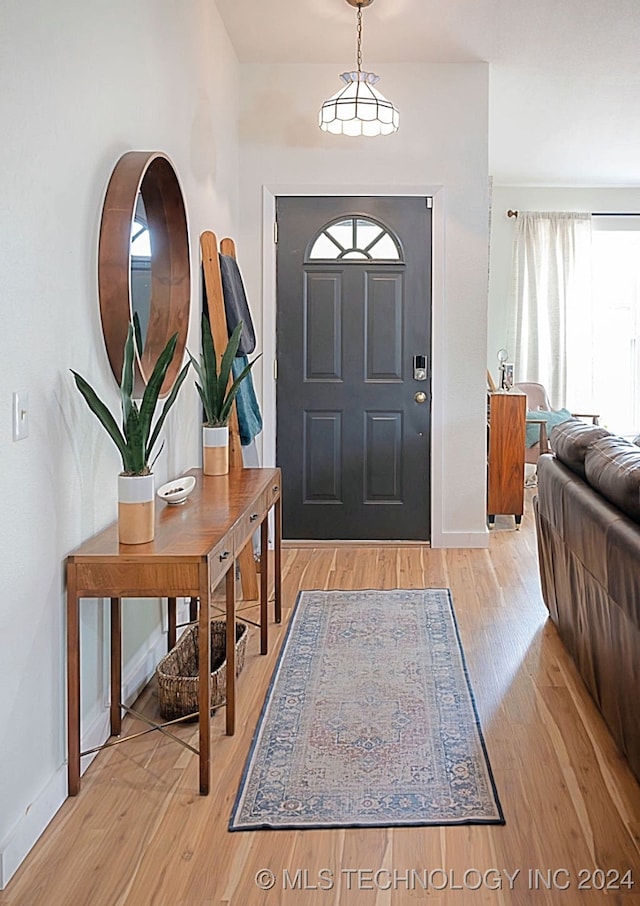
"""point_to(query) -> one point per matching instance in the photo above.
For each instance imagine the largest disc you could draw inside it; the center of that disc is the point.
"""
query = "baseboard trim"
(22, 838)
(30, 827)
(439, 540)
(292, 544)
(461, 539)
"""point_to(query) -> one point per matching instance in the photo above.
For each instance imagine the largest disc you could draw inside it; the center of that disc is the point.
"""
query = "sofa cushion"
(570, 441)
(612, 467)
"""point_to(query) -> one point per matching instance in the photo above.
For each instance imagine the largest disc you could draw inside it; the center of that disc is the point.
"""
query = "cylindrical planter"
(136, 509)
(215, 450)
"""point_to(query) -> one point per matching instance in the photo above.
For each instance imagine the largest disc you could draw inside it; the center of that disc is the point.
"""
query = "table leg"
(73, 684)
(116, 667)
(204, 677)
(264, 585)
(171, 623)
(231, 649)
(277, 544)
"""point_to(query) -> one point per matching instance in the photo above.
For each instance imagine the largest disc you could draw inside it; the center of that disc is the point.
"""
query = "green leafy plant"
(217, 397)
(135, 441)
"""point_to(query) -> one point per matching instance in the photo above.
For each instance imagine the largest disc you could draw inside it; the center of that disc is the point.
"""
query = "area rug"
(369, 720)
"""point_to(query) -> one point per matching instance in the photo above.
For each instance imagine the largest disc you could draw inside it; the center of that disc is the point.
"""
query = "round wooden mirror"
(148, 275)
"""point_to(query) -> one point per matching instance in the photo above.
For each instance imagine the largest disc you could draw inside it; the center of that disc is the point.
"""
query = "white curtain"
(549, 334)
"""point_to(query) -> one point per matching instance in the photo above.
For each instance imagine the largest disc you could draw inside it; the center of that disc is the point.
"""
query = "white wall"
(530, 198)
(441, 144)
(81, 84)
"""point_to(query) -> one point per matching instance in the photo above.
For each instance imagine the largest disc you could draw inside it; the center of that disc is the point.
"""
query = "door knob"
(420, 397)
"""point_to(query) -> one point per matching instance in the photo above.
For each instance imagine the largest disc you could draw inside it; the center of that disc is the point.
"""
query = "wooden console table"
(195, 547)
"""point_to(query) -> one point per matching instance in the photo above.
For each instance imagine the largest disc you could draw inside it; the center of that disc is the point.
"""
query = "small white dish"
(176, 492)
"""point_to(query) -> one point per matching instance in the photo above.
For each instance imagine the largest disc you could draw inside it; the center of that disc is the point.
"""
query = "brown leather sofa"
(588, 527)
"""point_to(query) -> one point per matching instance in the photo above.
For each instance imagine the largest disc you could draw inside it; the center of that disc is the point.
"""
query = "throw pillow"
(552, 417)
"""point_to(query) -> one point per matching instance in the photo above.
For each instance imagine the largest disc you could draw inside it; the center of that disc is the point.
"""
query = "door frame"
(269, 194)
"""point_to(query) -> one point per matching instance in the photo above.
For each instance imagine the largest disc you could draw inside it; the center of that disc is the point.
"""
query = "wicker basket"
(177, 672)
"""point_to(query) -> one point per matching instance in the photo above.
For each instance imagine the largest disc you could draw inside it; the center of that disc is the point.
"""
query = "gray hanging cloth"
(235, 304)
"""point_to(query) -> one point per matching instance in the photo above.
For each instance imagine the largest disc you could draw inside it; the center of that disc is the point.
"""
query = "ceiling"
(564, 74)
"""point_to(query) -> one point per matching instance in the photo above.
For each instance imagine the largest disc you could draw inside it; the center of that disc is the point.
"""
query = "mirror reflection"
(140, 273)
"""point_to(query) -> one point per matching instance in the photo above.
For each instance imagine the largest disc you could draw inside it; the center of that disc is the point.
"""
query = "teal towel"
(249, 417)
(552, 418)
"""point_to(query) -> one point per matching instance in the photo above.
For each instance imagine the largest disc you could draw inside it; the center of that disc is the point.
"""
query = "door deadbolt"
(420, 397)
(419, 368)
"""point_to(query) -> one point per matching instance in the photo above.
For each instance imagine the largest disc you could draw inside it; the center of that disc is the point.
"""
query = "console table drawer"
(272, 494)
(122, 579)
(250, 521)
(221, 558)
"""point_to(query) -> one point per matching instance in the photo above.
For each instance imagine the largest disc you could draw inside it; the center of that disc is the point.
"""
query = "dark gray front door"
(353, 320)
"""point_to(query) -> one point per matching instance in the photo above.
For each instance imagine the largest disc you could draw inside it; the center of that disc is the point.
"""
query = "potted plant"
(217, 397)
(136, 439)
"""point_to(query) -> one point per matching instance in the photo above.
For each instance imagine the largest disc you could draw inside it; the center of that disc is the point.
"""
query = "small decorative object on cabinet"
(502, 356)
(135, 441)
(176, 492)
(217, 394)
(508, 376)
(505, 476)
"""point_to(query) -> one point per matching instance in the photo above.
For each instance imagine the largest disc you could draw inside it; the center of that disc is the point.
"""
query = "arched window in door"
(355, 239)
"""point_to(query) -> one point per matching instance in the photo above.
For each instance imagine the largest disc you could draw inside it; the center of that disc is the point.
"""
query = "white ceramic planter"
(136, 509)
(215, 450)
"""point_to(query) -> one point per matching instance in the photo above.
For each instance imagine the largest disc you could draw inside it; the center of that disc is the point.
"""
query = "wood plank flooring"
(140, 835)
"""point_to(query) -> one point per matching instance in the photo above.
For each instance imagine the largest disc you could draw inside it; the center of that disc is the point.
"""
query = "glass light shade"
(358, 108)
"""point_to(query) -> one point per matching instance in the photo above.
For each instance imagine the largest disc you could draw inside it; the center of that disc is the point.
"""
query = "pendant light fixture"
(358, 108)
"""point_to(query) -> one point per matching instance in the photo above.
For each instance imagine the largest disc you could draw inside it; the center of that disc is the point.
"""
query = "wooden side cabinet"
(505, 462)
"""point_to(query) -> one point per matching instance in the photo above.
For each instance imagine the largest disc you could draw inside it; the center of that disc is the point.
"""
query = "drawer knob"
(253, 517)
(224, 555)
(275, 488)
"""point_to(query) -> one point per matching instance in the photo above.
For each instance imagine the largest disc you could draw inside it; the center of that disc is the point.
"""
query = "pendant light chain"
(359, 53)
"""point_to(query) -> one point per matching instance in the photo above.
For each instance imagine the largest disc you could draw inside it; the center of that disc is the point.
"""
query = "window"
(616, 321)
(355, 239)
(140, 240)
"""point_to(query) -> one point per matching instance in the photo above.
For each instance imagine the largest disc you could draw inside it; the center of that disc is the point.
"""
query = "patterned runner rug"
(369, 720)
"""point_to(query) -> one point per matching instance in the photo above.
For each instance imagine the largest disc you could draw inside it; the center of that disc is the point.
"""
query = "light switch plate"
(20, 415)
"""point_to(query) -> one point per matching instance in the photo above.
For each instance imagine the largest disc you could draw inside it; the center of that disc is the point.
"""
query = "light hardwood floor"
(139, 833)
